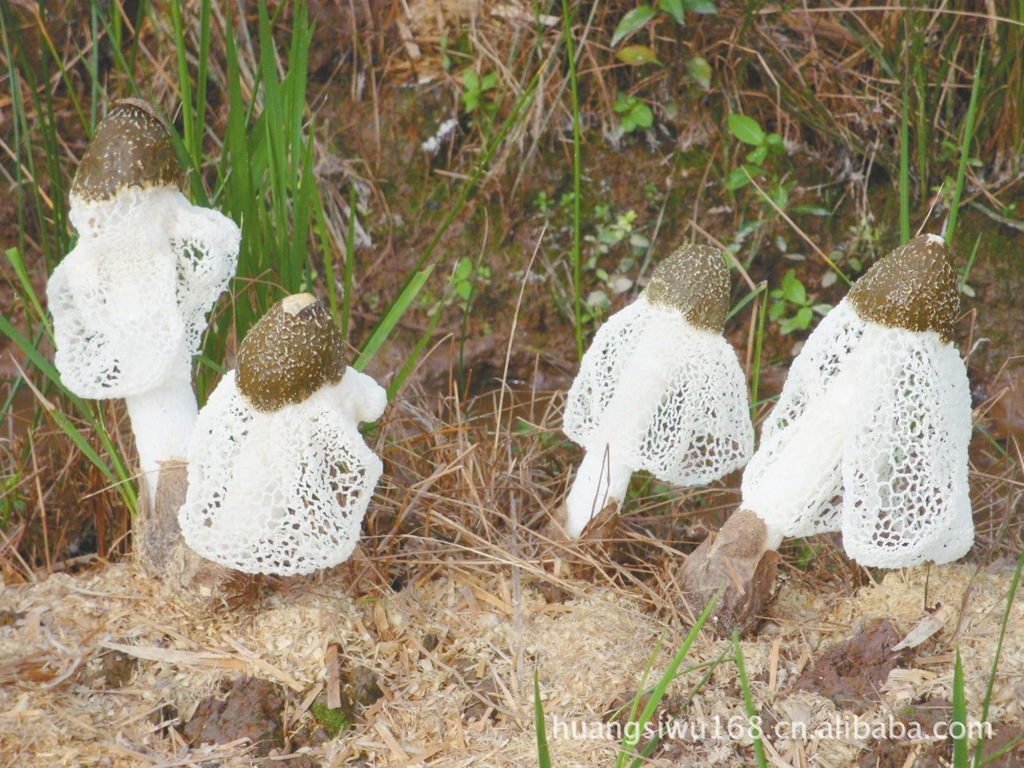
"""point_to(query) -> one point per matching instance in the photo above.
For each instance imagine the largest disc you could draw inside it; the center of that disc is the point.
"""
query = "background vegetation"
(445, 176)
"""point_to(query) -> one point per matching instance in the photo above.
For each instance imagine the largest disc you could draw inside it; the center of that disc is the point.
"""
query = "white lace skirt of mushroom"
(660, 389)
(279, 476)
(130, 301)
(870, 434)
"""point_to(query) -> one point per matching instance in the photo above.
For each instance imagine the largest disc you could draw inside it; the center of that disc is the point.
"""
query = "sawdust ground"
(454, 657)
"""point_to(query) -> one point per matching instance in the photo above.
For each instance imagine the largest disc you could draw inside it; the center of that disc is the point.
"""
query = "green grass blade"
(958, 723)
(758, 290)
(905, 161)
(748, 703)
(193, 108)
(755, 375)
(391, 318)
(193, 148)
(115, 472)
(350, 257)
(965, 148)
(625, 751)
(543, 753)
(965, 275)
(577, 301)
(987, 701)
(28, 292)
(629, 742)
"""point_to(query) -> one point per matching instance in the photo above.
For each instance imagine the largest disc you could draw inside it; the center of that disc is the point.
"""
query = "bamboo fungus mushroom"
(659, 389)
(870, 434)
(129, 302)
(279, 477)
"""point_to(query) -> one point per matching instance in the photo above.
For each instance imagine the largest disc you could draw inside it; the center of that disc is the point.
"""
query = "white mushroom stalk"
(869, 437)
(129, 302)
(871, 432)
(279, 477)
(659, 389)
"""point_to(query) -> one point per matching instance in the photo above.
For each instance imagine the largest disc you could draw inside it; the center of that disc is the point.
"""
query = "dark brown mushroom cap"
(131, 148)
(695, 281)
(291, 352)
(914, 287)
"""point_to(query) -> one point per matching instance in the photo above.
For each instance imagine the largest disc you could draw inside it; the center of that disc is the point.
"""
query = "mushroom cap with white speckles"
(131, 148)
(695, 281)
(914, 287)
(290, 353)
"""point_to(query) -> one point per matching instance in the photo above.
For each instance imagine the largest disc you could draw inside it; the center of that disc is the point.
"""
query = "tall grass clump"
(264, 177)
(261, 173)
(254, 158)
(40, 183)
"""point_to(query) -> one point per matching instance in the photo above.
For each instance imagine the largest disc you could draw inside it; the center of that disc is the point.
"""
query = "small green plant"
(465, 279)
(334, 721)
(633, 114)
(480, 99)
(644, 14)
(478, 91)
(458, 292)
(792, 307)
(636, 55)
(542, 202)
(610, 231)
(11, 505)
(759, 162)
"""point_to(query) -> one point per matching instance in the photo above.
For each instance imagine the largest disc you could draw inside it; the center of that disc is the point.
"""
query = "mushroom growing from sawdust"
(129, 302)
(869, 437)
(279, 477)
(659, 389)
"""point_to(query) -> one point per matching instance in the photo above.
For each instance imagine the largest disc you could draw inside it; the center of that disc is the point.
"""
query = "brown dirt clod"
(252, 708)
(851, 672)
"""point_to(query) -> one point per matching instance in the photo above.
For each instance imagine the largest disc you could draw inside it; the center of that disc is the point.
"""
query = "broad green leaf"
(705, 7)
(699, 69)
(643, 116)
(635, 55)
(758, 155)
(463, 270)
(786, 327)
(793, 289)
(631, 22)
(673, 8)
(746, 129)
(811, 210)
(780, 196)
(737, 179)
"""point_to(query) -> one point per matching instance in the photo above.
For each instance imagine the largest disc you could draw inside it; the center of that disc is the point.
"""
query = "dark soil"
(851, 672)
(249, 708)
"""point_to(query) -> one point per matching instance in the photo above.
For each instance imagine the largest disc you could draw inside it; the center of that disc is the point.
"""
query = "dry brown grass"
(459, 541)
